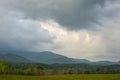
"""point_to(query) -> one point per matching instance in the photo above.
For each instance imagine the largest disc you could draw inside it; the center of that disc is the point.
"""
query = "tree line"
(54, 69)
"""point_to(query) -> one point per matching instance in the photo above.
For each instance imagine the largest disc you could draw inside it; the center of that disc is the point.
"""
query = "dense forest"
(55, 69)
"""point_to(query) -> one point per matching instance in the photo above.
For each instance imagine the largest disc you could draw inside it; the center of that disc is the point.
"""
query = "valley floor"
(63, 77)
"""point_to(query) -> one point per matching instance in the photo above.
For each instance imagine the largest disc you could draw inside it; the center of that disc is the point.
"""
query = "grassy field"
(64, 77)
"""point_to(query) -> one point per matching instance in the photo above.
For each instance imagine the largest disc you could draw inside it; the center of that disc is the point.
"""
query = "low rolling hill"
(13, 58)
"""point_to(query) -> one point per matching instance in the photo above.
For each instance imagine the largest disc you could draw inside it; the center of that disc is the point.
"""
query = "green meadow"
(63, 77)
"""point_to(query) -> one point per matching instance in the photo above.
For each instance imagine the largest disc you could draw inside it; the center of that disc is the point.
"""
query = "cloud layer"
(22, 34)
(75, 28)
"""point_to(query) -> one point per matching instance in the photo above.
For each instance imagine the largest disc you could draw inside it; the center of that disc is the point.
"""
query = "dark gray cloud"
(73, 14)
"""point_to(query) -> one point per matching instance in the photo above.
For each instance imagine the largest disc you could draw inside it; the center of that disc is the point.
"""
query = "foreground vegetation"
(30, 71)
(64, 77)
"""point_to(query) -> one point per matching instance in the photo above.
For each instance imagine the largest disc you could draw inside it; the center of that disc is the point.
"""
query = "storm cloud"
(75, 28)
(72, 14)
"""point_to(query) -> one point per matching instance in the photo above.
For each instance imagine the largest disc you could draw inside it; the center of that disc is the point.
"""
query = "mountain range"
(46, 57)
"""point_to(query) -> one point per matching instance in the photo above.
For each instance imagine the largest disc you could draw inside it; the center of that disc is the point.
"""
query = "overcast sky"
(85, 29)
